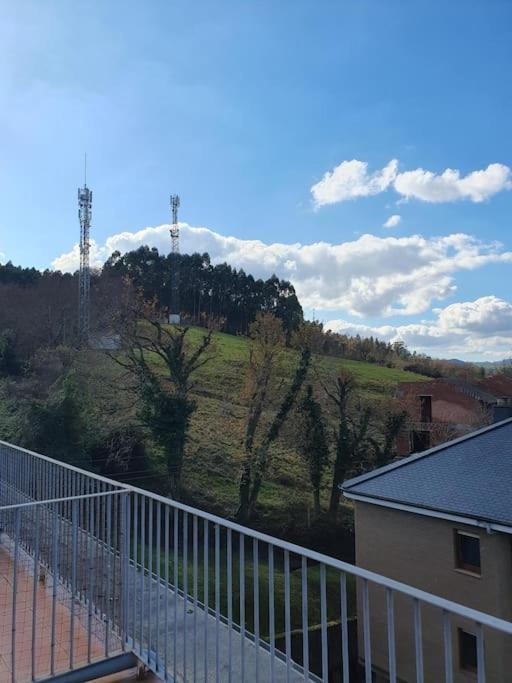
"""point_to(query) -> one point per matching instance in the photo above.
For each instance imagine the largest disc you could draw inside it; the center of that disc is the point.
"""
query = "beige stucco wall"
(419, 551)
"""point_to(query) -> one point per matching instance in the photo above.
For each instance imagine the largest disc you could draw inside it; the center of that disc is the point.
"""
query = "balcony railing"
(90, 568)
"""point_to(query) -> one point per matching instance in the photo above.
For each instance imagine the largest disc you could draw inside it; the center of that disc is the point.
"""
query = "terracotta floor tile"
(43, 623)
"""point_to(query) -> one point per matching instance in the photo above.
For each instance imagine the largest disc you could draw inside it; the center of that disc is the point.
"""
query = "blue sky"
(242, 108)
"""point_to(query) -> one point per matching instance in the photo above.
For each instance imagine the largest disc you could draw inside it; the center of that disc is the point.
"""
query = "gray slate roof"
(471, 477)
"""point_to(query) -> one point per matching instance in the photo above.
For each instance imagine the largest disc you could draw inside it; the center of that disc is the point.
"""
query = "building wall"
(420, 551)
(453, 412)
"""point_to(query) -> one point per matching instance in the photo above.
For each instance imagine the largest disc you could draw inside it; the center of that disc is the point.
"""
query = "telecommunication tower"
(174, 316)
(84, 278)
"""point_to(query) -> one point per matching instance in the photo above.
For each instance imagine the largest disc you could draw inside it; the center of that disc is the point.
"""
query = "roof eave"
(460, 518)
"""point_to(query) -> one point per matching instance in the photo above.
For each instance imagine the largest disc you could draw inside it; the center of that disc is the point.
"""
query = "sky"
(360, 149)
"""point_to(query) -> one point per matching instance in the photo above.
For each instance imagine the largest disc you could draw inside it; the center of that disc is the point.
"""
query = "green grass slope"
(215, 448)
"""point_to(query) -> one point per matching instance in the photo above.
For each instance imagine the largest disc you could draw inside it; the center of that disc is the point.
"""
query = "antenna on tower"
(84, 276)
(174, 316)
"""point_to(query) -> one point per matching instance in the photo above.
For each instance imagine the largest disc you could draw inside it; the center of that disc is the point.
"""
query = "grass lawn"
(243, 574)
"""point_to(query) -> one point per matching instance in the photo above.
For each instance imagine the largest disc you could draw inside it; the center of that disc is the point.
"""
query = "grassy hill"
(214, 451)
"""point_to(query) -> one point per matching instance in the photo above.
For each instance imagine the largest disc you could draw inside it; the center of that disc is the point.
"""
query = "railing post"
(125, 564)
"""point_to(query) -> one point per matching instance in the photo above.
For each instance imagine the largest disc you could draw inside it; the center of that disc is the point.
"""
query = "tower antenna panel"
(84, 276)
(174, 316)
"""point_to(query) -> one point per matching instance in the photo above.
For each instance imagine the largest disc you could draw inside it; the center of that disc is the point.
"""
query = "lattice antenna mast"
(175, 250)
(84, 278)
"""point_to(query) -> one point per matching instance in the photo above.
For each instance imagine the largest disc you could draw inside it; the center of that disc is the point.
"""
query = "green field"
(215, 447)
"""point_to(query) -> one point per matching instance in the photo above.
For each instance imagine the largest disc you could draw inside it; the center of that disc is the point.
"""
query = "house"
(441, 409)
(441, 521)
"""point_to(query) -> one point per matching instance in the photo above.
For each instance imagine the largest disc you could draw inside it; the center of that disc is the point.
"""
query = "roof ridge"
(346, 485)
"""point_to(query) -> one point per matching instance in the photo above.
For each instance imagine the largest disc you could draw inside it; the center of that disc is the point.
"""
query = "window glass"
(467, 651)
(468, 552)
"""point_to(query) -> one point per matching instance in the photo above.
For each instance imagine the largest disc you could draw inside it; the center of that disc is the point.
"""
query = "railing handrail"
(366, 575)
(65, 465)
(66, 499)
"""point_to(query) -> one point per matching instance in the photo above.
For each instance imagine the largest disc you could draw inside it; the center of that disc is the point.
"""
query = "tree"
(166, 405)
(9, 362)
(383, 448)
(351, 435)
(58, 424)
(266, 348)
(312, 443)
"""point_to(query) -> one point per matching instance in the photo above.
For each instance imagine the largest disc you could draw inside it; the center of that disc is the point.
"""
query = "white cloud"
(470, 329)
(393, 221)
(449, 186)
(351, 179)
(370, 276)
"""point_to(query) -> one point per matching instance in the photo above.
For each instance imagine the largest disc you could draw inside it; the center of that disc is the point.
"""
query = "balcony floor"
(191, 636)
(24, 617)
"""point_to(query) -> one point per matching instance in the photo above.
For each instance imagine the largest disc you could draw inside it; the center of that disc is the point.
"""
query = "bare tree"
(165, 403)
(265, 353)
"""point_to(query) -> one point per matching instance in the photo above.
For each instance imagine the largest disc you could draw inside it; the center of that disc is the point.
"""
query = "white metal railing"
(201, 598)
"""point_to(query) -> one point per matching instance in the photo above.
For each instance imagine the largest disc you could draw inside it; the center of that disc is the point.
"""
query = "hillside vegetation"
(213, 453)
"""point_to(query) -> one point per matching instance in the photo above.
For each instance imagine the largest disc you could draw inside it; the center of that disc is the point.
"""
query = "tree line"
(39, 309)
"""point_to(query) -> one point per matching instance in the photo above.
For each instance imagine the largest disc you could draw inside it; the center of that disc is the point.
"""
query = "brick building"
(442, 409)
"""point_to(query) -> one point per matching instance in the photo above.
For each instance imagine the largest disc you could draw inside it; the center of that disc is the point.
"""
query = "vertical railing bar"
(205, 592)
(344, 628)
(448, 650)
(92, 541)
(166, 606)
(185, 593)
(176, 581)
(271, 608)
(418, 641)
(126, 564)
(217, 603)
(323, 623)
(34, 587)
(195, 589)
(366, 633)
(142, 569)
(305, 618)
(158, 581)
(480, 654)
(391, 635)
(150, 573)
(256, 600)
(229, 577)
(108, 554)
(287, 618)
(74, 561)
(97, 545)
(135, 565)
(241, 578)
(17, 525)
(55, 567)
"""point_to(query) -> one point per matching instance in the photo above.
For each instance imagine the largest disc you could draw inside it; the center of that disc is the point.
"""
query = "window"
(467, 552)
(425, 408)
(467, 651)
(420, 441)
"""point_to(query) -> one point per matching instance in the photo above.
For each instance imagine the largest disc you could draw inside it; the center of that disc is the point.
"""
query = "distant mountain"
(495, 363)
(484, 363)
